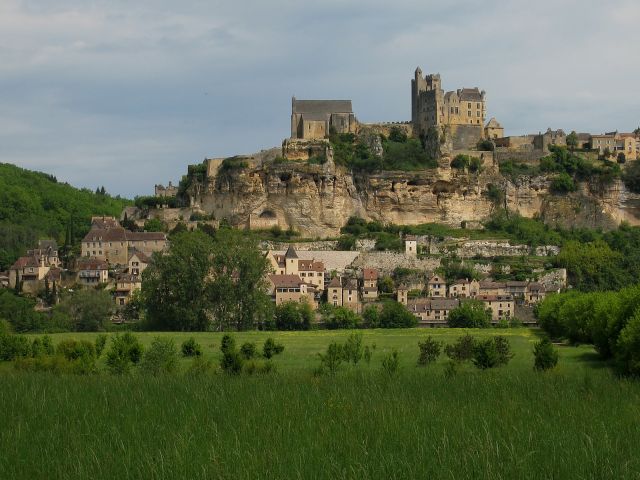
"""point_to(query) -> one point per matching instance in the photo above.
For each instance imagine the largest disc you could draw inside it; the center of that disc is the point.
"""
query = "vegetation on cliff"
(35, 205)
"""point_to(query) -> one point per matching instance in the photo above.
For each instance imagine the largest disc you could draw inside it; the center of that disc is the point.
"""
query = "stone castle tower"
(459, 114)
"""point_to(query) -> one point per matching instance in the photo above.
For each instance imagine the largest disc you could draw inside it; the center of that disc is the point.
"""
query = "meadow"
(578, 421)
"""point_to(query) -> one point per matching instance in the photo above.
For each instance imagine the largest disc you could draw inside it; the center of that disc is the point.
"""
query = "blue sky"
(126, 94)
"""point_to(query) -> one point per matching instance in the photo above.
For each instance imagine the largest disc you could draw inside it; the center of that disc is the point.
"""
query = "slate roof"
(321, 107)
(335, 283)
(285, 281)
(470, 95)
(493, 123)
(291, 252)
(92, 264)
(119, 234)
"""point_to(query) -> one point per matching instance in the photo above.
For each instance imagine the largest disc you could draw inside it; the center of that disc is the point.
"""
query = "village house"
(369, 284)
(334, 292)
(126, 284)
(402, 294)
(92, 272)
(31, 269)
(502, 306)
(464, 288)
(411, 246)
(350, 298)
(109, 242)
(517, 289)
(437, 287)
(291, 288)
(311, 271)
(535, 293)
(625, 144)
(489, 287)
(432, 312)
(137, 263)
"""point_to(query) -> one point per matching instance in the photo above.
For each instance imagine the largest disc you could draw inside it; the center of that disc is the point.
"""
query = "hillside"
(35, 205)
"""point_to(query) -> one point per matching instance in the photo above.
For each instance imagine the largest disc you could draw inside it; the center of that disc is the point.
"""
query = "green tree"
(371, 316)
(154, 225)
(429, 351)
(627, 354)
(572, 140)
(332, 358)
(126, 350)
(562, 183)
(545, 355)
(89, 310)
(191, 348)
(271, 348)
(462, 350)
(470, 314)
(352, 350)
(161, 357)
(340, 317)
(395, 315)
(293, 316)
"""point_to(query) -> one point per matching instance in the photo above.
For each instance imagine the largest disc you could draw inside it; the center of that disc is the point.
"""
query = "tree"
(386, 284)
(154, 225)
(160, 357)
(429, 351)
(470, 314)
(371, 316)
(340, 317)
(19, 311)
(352, 349)
(332, 358)
(248, 350)
(562, 183)
(191, 348)
(485, 354)
(125, 351)
(395, 315)
(89, 310)
(545, 355)
(271, 348)
(293, 316)
(627, 354)
(462, 350)
(572, 140)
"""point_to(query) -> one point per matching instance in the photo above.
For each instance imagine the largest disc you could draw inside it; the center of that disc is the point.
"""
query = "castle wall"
(465, 136)
(213, 165)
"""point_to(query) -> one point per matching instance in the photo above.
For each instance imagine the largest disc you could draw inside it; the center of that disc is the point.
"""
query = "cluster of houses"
(111, 256)
(299, 280)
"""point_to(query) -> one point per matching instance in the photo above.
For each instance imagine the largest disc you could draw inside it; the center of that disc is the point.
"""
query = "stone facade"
(462, 111)
(315, 119)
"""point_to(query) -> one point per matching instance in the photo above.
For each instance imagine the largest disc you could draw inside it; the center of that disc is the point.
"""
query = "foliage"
(466, 162)
(75, 349)
(88, 309)
(293, 316)
(572, 140)
(429, 351)
(453, 268)
(232, 362)
(408, 155)
(161, 357)
(371, 316)
(14, 346)
(19, 311)
(340, 317)
(101, 341)
(155, 225)
(330, 360)
(395, 315)
(462, 350)
(386, 284)
(486, 145)
(346, 242)
(631, 177)
(492, 352)
(204, 283)
(228, 344)
(125, 350)
(562, 183)
(191, 348)
(271, 348)
(391, 363)
(397, 134)
(627, 353)
(35, 205)
(545, 355)
(469, 314)
(248, 350)
(352, 350)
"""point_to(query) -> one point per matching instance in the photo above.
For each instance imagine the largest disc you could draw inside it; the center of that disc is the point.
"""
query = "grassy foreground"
(576, 422)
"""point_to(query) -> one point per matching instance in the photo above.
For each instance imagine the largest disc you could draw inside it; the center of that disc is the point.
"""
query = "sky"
(126, 94)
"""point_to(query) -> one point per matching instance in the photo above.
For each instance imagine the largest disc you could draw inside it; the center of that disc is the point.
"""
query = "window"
(469, 104)
(469, 113)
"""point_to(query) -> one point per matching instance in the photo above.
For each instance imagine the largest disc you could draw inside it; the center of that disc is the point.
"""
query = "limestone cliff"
(318, 199)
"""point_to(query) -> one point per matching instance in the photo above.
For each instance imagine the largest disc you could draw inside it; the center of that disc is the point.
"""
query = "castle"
(461, 112)
(315, 119)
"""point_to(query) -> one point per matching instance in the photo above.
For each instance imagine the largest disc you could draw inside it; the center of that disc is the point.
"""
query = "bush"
(293, 316)
(627, 353)
(74, 349)
(257, 367)
(545, 355)
(199, 366)
(391, 363)
(352, 350)
(429, 351)
(191, 348)
(232, 362)
(48, 363)
(395, 315)
(341, 317)
(125, 350)
(492, 352)
(248, 350)
(562, 183)
(462, 350)
(228, 344)
(101, 342)
(14, 346)
(330, 361)
(470, 314)
(371, 316)
(160, 357)
(503, 347)
(271, 348)
(460, 162)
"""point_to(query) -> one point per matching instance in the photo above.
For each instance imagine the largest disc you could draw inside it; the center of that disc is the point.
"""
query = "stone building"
(291, 288)
(92, 272)
(437, 287)
(461, 112)
(125, 285)
(464, 288)
(369, 284)
(493, 129)
(309, 270)
(350, 295)
(623, 145)
(502, 306)
(334, 292)
(432, 312)
(315, 119)
(168, 191)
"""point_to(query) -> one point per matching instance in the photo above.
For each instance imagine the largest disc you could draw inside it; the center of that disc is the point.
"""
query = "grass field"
(576, 422)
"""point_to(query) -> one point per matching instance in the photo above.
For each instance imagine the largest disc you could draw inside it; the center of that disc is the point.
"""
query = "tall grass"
(359, 424)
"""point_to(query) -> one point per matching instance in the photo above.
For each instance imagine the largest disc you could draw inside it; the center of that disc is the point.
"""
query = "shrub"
(293, 316)
(341, 317)
(199, 366)
(391, 363)
(248, 350)
(332, 358)
(429, 351)
(462, 349)
(125, 350)
(191, 348)
(562, 183)
(47, 363)
(485, 354)
(371, 316)
(352, 349)
(160, 357)
(47, 345)
(470, 314)
(101, 342)
(460, 162)
(271, 348)
(37, 349)
(14, 346)
(228, 344)
(395, 315)
(627, 353)
(503, 347)
(74, 349)
(232, 362)
(545, 355)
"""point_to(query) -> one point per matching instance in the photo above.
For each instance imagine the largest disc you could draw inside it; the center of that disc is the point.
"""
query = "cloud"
(127, 94)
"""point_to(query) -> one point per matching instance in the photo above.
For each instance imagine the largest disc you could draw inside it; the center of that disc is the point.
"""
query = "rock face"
(318, 199)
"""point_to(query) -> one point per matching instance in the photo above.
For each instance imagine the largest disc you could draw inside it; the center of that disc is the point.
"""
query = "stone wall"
(387, 262)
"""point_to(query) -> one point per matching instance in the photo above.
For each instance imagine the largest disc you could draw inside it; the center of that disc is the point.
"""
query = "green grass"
(576, 422)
